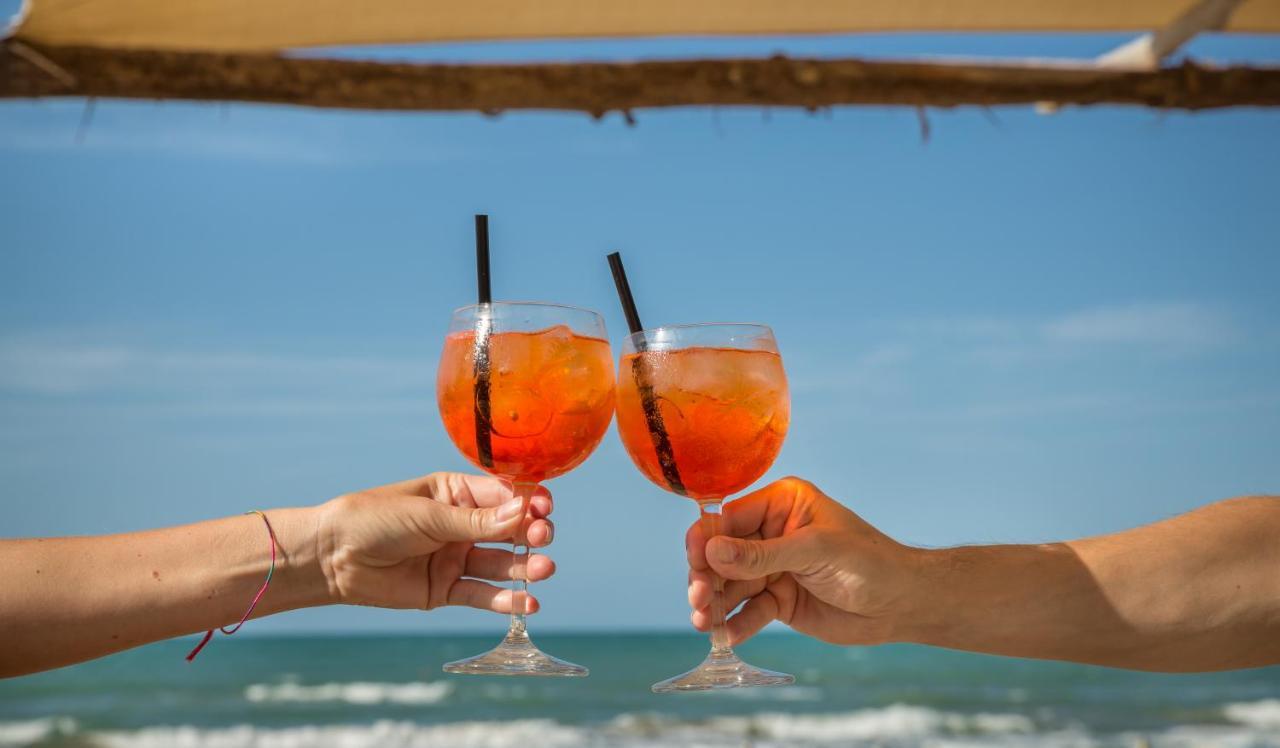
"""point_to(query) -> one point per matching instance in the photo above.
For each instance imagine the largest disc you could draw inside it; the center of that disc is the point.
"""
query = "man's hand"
(412, 544)
(797, 556)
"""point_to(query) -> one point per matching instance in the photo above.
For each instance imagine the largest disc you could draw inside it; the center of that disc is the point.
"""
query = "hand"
(412, 544)
(798, 556)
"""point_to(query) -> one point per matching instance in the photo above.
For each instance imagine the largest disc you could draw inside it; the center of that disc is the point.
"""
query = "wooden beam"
(598, 88)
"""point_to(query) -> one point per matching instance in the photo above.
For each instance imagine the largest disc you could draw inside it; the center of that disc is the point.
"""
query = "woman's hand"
(412, 544)
(796, 555)
(406, 545)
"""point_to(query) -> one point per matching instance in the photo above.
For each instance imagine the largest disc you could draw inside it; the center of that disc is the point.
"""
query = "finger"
(448, 488)
(498, 565)
(702, 588)
(701, 615)
(446, 523)
(540, 533)
(764, 509)
(464, 489)
(476, 594)
(444, 567)
(541, 506)
(755, 615)
(734, 558)
(733, 597)
(483, 493)
(695, 547)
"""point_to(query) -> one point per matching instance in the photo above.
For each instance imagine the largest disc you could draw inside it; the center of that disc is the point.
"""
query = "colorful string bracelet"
(271, 536)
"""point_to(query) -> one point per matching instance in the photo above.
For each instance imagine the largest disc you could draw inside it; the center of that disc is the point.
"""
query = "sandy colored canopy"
(270, 25)
(233, 50)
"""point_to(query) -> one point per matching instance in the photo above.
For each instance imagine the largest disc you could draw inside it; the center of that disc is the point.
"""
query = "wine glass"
(526, 393)
(703, 410)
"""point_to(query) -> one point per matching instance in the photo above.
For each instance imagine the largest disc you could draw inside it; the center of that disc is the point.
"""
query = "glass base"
(723, 669)
(516, 655)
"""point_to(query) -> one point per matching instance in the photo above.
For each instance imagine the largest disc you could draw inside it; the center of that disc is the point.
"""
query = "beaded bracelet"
(271, 536)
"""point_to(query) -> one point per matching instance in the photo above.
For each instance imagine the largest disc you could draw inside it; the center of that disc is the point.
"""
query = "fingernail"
(725, 552)
(509, 510)
(551, 533)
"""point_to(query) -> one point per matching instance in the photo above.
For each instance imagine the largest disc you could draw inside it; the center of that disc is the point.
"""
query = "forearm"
(65, 600)
(1196, 592)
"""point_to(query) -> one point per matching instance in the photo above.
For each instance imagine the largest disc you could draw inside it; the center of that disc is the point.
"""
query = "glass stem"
(710, 518)
(520, 561)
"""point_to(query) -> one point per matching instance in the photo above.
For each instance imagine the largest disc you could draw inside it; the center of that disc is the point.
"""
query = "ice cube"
(519, 412)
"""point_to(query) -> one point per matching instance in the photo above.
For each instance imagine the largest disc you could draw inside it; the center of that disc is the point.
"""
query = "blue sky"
(1027, 328)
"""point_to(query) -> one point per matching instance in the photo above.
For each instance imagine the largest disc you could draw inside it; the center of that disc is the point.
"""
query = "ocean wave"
(382, 734)
(351, 693)
(895, 726)
(892, 722)
(1264, 714)
(1215, 736)
(28, 732)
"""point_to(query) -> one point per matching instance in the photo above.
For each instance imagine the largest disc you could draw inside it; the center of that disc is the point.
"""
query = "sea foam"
(896, 721)
(352, 693)
(1263, 714)
(28, 732)
(382, 734)
(895, 726)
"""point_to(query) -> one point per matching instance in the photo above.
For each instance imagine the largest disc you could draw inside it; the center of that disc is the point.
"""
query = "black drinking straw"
(484, 327)
(652, 416)
(482, 259)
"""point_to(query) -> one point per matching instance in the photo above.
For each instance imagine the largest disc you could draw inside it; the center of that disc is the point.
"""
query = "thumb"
(447, 523)
(734, 558)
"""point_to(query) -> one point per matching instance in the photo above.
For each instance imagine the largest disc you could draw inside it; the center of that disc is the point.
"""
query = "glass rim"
(543, 304)
(759, 325)
(648, 334)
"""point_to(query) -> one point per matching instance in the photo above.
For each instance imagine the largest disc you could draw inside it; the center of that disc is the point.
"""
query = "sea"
(389, 692)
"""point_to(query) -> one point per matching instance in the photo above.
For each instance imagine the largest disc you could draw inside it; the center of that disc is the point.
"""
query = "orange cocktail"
(703, 410)
(550, 399)
(526, 393)
(725, 412)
